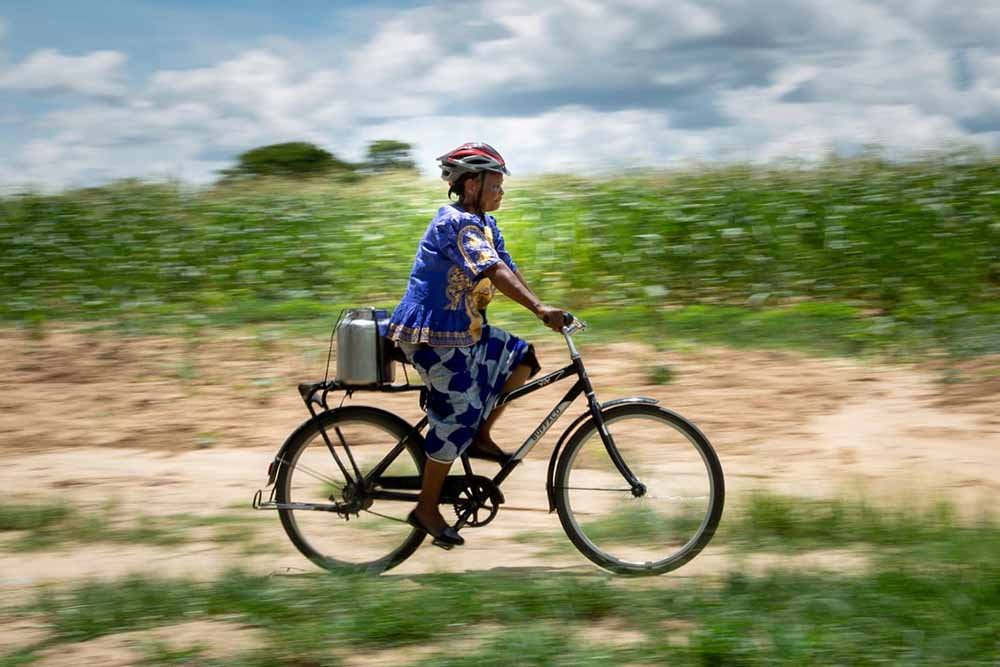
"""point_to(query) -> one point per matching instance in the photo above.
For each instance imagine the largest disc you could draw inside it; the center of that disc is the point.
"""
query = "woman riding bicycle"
(440, 324)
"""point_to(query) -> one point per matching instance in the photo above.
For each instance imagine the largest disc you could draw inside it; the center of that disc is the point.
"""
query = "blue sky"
(179, 34)
(90, 92)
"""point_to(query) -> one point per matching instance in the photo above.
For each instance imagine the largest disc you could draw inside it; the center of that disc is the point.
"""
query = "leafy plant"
(868, 254)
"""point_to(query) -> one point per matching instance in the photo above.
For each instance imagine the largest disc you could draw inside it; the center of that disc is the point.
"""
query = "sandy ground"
(167, 426)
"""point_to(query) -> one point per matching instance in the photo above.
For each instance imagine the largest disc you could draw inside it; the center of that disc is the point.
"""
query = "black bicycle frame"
(581, 386)
(376, 472)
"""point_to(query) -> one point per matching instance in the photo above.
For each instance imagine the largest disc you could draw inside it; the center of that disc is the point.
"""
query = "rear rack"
(316, 392)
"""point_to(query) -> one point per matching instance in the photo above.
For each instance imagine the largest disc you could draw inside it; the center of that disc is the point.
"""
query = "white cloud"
(98, 74)
(566, 85)
(954, 25)
(567, 139)
(257, 86)
(446, 59)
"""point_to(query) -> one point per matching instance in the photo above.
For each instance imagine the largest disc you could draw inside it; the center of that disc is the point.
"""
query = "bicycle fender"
(550, 476)
(279, 458)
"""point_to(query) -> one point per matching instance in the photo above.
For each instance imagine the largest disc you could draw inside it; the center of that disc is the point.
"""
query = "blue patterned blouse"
(446, 298)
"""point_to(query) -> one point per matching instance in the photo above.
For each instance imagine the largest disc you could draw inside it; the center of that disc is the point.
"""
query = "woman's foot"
(483, 447)
(434, 525)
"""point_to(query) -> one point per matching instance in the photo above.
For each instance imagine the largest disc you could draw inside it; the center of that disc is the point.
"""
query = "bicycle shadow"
(503, 570)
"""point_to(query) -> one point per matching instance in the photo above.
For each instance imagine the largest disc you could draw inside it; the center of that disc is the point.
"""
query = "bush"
(286, 160)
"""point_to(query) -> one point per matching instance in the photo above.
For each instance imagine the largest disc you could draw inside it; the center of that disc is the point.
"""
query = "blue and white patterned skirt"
(463, 385)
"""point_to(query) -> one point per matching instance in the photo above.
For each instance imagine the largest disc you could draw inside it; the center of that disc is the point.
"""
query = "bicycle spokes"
(334, 520)
(631, 531)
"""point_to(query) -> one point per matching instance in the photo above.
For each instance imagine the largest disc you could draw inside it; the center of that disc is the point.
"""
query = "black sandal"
(446, 539)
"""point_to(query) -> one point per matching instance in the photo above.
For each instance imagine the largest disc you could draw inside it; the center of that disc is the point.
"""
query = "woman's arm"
(524, 284)
(513, 285)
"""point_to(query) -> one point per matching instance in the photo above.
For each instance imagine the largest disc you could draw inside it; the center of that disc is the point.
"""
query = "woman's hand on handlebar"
(554, 318)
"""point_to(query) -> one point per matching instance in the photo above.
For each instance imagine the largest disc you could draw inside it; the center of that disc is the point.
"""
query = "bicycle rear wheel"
(367, 535)
(654, 532)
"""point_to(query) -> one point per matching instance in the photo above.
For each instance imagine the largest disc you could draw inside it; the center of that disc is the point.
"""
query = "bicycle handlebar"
(567, 319)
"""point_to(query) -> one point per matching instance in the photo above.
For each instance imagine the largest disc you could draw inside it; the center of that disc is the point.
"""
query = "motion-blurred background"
(781, 219)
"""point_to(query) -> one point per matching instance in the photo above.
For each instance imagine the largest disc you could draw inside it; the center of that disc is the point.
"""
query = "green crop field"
(846, 257)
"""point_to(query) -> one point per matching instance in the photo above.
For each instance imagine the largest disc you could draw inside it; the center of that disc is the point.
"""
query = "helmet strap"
(479, 197)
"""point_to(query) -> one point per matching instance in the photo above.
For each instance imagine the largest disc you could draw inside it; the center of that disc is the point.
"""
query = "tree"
(295, 158)
(387, 154)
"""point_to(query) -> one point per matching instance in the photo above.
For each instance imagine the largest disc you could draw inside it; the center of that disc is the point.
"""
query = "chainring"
(481, 496)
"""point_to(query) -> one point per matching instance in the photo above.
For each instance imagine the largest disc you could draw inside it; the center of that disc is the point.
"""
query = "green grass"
(45, 525)
(767, 521)
(882, 254)
(819, 328)
(642, 523)
(88, 527)
(530, 644)
(32, 517)
(159, 655)
(943, 613)
(20, 658)
(660, 374)
(930, 596)
(770, 519)
(829, 329)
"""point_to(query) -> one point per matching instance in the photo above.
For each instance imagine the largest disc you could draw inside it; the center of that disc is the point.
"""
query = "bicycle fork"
(638, 488)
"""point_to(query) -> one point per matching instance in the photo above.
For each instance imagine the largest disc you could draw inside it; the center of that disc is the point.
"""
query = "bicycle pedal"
(447, 546)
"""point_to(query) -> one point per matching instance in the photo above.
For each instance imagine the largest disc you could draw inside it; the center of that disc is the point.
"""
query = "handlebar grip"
(567, 319)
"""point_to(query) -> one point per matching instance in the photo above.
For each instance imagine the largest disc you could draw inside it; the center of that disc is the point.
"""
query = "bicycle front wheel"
(658, 530)
(325, 515)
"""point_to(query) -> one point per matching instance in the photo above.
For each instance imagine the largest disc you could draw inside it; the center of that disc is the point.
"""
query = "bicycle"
(638, 489)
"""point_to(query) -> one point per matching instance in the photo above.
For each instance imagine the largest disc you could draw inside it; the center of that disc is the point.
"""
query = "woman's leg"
(437, 378)
(517, 378)
(430, 492)
(435, 472)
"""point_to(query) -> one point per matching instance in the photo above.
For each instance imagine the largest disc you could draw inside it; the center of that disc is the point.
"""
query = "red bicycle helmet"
(473, 157)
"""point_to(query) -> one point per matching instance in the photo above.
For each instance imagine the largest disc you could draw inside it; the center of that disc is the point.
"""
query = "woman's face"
(492, 191)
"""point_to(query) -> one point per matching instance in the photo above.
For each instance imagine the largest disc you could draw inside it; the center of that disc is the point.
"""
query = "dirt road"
(168, 426)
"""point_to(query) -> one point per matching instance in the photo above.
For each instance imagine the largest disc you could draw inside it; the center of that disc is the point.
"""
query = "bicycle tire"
(309, 434)
(588, 433)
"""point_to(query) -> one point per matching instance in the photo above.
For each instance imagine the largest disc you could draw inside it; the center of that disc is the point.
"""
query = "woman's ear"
(471, 189)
